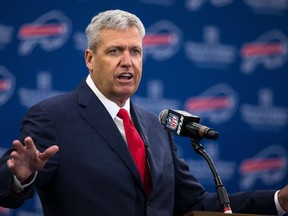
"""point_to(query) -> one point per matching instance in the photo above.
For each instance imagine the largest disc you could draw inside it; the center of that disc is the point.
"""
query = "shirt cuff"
(278, 207)
(19, 187)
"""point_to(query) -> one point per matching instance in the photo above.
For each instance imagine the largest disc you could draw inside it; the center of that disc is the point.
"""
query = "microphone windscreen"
(163, 116)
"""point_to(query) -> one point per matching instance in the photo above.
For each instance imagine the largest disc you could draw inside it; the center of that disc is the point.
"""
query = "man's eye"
(114, 51)
(136, 52)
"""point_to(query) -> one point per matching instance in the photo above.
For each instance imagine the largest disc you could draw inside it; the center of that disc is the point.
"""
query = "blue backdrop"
(223, 60)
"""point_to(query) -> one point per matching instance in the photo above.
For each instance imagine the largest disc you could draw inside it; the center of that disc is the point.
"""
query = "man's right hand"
(26, 159)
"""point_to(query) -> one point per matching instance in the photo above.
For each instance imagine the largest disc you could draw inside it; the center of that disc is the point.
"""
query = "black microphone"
(185, 124)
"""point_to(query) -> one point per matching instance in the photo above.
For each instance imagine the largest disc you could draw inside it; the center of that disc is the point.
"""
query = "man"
(72, 147)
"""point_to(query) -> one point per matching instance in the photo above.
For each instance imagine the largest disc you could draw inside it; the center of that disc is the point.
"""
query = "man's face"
(116, 65)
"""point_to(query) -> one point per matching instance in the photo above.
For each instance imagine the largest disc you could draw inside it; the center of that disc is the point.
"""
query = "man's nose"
(126, 59)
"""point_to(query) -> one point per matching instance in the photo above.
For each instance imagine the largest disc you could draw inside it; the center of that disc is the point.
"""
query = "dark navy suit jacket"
(94, 174)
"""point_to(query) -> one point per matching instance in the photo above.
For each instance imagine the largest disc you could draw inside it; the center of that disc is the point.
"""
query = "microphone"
(185, 124)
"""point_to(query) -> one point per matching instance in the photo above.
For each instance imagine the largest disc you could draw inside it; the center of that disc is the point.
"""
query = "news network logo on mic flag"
(172, 121)
(177, 120)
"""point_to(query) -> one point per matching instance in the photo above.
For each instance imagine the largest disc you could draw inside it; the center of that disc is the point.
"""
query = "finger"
(10, 163)
(17, 145)
(49, 152)
(14, 155)
(29, 143)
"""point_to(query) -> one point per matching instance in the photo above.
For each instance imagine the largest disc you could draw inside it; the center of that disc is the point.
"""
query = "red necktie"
(137, 148)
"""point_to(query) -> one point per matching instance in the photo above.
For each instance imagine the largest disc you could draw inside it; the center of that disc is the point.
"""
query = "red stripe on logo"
(159, 39)
(261, 165)
(262, 49)
(208, 103)
(3, 85)
(41, 30)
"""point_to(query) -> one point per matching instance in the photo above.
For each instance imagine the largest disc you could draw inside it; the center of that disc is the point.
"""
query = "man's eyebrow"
(116, 46)
(136, 47)
(123, 47)
(109, 48)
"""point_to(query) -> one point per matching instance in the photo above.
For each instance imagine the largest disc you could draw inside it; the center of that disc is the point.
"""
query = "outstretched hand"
(26, 159)
(283, 198)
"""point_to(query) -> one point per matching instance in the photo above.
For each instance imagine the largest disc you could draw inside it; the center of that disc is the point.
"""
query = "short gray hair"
(111, 19)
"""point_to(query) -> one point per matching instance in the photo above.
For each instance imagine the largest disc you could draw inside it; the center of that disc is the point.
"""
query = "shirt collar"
(111, 107)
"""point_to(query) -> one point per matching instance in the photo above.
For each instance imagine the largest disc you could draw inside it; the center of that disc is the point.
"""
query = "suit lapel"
(98, 117)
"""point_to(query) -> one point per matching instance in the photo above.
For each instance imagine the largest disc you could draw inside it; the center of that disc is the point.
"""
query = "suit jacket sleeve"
(8, 198)
(41, 124)
(190, 195)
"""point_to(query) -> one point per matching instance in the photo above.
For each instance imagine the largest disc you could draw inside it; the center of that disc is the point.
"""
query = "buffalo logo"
(218, 103)
(50, 31)
(269, 50)
(162, 40)
(7, 85)
(268, 166)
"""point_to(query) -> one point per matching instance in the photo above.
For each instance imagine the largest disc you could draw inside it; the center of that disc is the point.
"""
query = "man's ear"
(88, 59)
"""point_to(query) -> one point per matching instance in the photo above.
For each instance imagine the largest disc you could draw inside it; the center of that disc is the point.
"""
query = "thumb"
(49, 152)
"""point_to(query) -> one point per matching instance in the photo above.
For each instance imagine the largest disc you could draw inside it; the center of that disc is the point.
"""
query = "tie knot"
(123, 114)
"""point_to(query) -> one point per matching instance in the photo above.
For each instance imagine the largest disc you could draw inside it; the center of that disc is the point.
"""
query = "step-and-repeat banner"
(223, 60)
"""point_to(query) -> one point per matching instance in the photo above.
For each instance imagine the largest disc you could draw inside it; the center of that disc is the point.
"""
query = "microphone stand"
(221, 191)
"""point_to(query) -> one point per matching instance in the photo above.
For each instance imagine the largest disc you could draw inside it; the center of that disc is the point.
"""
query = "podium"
(198, 213)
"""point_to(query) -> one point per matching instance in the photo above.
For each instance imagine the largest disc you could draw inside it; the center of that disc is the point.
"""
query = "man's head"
(114, 54)
(112, 19)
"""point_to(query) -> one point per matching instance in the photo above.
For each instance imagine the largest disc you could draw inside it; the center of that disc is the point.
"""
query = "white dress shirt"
(111, 107)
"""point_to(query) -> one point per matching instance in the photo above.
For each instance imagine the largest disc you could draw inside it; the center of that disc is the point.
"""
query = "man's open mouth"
(125, 76)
